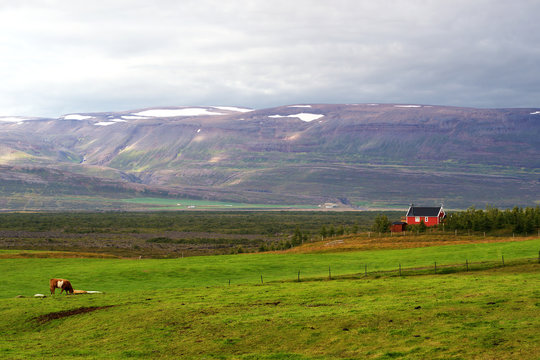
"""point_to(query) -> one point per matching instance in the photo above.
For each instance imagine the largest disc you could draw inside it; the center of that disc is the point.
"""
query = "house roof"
(424, 211)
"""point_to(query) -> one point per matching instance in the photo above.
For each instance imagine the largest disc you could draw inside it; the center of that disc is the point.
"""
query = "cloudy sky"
(60, 57)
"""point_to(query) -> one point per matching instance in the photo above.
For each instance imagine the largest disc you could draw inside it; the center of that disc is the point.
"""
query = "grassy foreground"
(27, 276)
(184, 308)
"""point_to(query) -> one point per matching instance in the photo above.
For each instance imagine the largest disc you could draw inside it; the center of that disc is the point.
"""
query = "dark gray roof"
(424, 211)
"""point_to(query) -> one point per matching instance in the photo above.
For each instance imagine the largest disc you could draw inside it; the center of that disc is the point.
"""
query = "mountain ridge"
(305, 153)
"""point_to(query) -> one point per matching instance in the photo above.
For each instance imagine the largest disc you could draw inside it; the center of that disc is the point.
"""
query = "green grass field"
(157, 274)
(184, 308)
(189, 204)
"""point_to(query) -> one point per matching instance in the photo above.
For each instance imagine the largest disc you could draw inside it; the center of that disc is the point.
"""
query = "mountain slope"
(353, 154)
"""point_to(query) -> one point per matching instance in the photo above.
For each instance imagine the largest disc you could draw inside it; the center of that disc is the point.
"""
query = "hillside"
(355, 155)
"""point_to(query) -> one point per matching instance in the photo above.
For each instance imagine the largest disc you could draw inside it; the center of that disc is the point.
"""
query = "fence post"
(502, 259)
(365, 266)
(467, 264)
(329, 274)
(399, 269)
(262, 280)
(435, 267)
(298, 275)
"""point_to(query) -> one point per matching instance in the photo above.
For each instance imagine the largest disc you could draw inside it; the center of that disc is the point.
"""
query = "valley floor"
(189, 308)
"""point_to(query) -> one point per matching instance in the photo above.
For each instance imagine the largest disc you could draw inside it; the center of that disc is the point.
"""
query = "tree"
(422, 227)
(331, 231)
(297, 237)
(381, 224)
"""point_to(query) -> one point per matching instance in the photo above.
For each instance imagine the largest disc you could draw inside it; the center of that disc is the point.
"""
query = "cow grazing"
(62, 284)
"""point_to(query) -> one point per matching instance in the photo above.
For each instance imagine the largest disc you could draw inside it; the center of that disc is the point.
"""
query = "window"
(417, 219)
(426, 219)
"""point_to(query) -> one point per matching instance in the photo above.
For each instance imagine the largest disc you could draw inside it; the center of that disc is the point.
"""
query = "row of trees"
(338, 231)
(519, 220)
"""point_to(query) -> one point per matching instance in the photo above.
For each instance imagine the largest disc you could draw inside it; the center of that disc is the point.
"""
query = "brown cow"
(63, 284)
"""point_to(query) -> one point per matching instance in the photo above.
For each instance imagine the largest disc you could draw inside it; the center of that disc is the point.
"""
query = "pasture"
(182, 204)
(185, 308)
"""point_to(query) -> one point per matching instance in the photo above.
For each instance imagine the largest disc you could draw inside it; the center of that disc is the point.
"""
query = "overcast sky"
(59, 57)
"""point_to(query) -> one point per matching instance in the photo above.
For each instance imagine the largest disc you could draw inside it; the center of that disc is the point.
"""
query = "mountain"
(351, 154)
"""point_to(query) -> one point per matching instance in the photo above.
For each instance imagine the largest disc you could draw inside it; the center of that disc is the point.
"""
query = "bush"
(381, 224)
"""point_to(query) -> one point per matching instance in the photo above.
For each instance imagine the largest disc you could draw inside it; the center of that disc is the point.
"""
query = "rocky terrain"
(355, 155)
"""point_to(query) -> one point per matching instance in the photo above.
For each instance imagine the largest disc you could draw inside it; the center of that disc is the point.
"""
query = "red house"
(429, 215)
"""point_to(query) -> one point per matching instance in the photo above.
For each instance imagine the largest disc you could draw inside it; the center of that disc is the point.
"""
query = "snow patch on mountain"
(408, 106)
(13, 119)
(176, 112)
(302, 116)
(233, 108)
(76, 117)
(105, 123)
(535, 113)
(300, 106)
(110, 122)
(133, 117)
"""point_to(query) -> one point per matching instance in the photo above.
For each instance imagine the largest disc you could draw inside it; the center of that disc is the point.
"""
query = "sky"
(59, 57)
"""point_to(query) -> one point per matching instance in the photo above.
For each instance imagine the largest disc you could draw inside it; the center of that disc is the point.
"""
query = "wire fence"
(402, 271)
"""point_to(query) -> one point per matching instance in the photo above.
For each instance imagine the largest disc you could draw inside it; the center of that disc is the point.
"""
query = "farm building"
(429, 215)
(398, 226)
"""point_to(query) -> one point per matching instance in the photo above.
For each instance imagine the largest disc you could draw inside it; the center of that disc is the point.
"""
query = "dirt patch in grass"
(66, 313)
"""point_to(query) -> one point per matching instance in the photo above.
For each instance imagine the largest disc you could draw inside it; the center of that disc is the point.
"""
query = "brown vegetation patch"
(53, 255)
(125, 245)
(62, 314)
